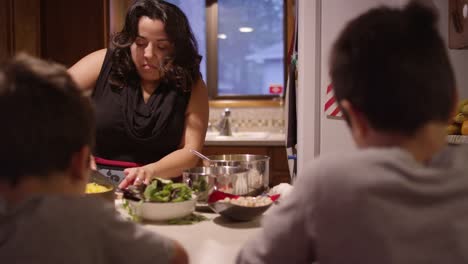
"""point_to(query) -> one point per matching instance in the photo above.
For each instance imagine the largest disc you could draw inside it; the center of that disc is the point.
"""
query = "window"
(195, 12)
(242, 44)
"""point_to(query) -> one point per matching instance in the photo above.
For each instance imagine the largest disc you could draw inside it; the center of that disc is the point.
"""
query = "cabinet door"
(279, 168)
(69, 36)
(6, 41)
(219, 150)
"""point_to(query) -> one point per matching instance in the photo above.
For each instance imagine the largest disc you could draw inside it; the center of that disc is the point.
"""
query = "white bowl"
(162, 211)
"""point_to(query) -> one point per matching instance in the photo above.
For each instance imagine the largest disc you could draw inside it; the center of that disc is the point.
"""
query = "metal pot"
(256, 179)
(203, 180)
(100, 179)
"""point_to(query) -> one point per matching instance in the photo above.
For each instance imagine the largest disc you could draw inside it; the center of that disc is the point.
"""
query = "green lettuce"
(160, 190)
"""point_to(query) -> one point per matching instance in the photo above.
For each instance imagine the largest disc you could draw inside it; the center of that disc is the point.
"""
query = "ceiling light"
(246, 29)
(222, 36)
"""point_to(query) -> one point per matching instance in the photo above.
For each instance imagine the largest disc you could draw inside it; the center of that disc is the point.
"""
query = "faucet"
(224, 125)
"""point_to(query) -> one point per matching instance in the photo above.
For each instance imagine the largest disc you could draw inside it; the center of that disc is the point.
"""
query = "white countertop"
(247, 139)
(215, 240)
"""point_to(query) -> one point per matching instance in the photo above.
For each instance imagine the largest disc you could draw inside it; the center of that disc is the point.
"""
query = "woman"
(151, 103)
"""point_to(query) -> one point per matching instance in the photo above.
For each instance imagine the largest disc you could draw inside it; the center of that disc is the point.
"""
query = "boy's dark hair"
(392, 65)
(45, 119)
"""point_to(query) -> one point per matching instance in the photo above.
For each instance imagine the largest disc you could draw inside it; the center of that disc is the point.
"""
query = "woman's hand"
(92, 163)
(137, 176)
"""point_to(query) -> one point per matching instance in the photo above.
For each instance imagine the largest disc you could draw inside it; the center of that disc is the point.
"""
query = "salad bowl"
(155, 211)
(160, 200)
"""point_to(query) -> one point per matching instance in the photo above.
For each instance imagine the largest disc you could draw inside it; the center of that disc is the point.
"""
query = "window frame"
(212, 57)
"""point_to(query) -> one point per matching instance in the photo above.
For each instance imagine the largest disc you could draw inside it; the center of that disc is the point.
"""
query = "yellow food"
(462, 104)
(453, 129)
(96, 188)
(460, 118)
(464, 109)
(464, 128)
(459, 124)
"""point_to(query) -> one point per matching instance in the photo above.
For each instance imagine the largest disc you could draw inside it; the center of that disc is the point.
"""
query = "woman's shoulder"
(95, 58)
(86, 71)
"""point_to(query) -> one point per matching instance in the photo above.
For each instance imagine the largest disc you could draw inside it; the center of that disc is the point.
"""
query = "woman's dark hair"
(45, 119)
(182, 68)
(393, 66)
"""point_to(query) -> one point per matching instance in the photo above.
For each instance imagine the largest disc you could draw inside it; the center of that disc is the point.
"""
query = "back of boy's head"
(45, 119)
(392, 65)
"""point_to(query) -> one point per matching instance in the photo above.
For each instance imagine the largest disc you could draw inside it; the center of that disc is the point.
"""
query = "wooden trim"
(6, 30)
(457, 25)
(106, 22)
(27, 29)
(212, 48)
(289, 10)
(117, 13)
(246, 103)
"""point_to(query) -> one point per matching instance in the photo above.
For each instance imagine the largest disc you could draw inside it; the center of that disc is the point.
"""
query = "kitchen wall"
(319, 24)
(334, 134)
(459, 58)
(261, 119)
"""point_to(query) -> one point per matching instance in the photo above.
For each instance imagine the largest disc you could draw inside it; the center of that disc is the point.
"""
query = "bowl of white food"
(240, 208)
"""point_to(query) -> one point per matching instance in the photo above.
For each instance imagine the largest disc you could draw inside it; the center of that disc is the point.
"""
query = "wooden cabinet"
(279, 171)
(72, 29)
(62, 31)
(19, 27)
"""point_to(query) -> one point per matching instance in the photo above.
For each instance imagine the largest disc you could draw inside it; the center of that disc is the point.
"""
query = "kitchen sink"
(212, 135)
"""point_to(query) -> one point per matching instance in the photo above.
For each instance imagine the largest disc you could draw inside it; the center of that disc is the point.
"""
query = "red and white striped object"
(331, 106)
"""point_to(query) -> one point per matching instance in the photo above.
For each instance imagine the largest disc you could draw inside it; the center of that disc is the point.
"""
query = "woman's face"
(149, 49)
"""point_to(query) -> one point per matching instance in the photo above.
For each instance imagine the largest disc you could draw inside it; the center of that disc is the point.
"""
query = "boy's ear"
(79, 165)
(357, 122)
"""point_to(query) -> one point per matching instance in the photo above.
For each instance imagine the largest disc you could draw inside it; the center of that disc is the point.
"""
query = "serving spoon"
(200, 155)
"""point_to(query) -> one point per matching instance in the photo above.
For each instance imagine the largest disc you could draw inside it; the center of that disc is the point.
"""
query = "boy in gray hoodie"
(45, 140)
(402, 197)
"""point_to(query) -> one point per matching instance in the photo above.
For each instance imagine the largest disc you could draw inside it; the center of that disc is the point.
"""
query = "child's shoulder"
(74, 210)
(349, 167)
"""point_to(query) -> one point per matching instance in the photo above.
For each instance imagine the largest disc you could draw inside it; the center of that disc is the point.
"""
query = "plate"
(457, 139)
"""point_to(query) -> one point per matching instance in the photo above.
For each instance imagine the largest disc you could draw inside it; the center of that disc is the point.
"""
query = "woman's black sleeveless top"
(128, 129)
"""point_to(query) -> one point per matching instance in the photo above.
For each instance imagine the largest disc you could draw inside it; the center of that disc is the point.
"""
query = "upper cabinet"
(63, 31)
(19, 27)
(72, 29)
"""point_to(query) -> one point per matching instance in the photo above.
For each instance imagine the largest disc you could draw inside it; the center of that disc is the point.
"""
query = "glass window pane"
(195, 12)
(250, 46)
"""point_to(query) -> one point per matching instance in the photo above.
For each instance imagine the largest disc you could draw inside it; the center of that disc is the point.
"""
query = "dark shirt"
(128, 129)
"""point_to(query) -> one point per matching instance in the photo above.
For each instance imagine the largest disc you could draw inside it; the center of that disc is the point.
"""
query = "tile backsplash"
(265, 119)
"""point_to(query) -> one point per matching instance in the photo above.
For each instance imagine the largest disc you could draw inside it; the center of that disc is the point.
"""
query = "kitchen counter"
(246, 139)
(215, 240)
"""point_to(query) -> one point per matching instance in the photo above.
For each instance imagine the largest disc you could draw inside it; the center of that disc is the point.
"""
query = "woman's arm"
(196, 123)
(86, 71)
